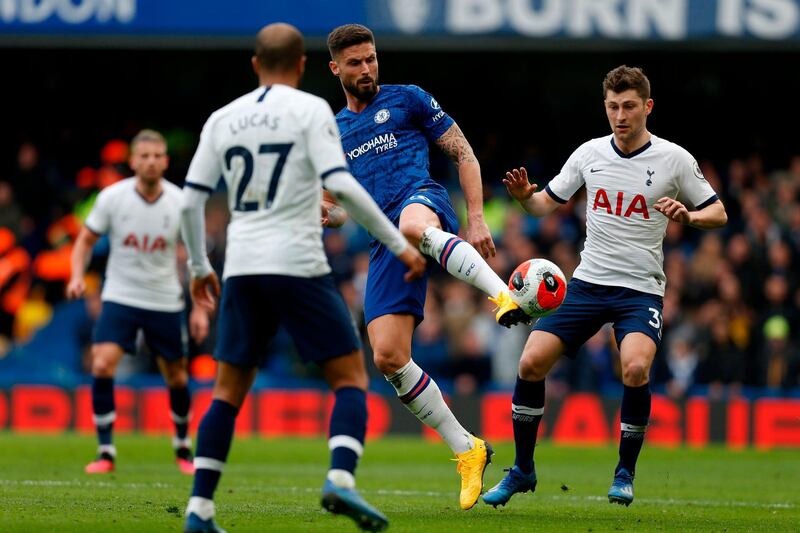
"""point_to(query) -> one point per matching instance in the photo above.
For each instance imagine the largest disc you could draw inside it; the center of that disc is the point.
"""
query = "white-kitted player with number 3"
(633, 180)
(276, 147)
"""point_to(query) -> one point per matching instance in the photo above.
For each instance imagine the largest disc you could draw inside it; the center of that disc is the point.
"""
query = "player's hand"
(517, 184)
(324, 207)
(333, 216)
(479, 236)
(205, 291)
(414, 261)
(198, 324)
(75, 288)
(325, 221)
(673, 210)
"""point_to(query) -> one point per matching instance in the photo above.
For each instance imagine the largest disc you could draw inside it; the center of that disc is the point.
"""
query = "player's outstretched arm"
(455, 145)
(524, 192)
(710, 217)
(79, 259)
(366, 212)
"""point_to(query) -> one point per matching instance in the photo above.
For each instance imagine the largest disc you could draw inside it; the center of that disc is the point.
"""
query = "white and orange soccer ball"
(538, 286)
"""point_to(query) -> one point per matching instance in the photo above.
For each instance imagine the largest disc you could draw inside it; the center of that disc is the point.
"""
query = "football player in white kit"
(635, 184)
(276, 147)
(141, 215)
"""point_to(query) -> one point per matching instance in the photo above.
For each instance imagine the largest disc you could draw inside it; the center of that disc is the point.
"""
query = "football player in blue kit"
(385, 133)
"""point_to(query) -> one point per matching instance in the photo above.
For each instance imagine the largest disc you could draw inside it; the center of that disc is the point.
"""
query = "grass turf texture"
(274, 485)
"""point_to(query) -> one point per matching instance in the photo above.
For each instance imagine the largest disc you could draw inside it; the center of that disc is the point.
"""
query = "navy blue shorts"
(311, 309)
(164, 331)
(589, 306)
(387, 292)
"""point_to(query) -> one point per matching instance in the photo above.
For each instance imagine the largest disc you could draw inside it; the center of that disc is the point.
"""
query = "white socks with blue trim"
(420, 394)
(461, 260)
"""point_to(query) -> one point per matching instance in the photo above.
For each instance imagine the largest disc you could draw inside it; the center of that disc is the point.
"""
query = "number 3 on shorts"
(656, 322)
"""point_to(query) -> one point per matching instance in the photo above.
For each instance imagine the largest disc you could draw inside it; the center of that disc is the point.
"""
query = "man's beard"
(150, 177)
(364, 93)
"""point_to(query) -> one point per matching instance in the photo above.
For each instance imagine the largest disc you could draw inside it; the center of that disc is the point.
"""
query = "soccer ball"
(538, 286)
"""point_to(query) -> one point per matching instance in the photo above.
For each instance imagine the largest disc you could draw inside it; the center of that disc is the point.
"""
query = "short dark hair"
(279, 47)
(148, 135)
(348, 35)
(624, 78)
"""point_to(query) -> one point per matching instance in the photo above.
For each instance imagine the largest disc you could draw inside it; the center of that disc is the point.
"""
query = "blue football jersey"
(387, 143)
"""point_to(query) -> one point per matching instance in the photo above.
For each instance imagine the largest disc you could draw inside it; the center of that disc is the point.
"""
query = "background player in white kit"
(275, 147)
(628, 175)
(141, 215)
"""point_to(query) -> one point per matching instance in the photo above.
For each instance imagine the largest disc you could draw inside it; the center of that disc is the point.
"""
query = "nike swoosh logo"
(593, 170)
(462, 265)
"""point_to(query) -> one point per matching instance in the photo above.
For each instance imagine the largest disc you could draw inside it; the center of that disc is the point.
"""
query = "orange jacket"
(15, 277)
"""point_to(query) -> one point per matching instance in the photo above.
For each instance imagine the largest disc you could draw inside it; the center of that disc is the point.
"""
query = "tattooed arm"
(455, 145)
(333, 215)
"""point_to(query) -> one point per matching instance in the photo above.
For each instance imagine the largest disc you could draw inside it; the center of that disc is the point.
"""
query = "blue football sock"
(179, 400)
(103, 409)
(213, 444)
(527, 408)
(347, 429)
(634, 416)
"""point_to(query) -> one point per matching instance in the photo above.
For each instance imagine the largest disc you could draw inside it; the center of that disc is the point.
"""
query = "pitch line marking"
(388, 492)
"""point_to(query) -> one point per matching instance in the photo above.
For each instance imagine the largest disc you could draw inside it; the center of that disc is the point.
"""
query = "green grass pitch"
(273, 485)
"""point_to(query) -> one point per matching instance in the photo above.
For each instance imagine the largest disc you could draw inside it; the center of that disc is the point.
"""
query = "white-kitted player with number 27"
(276, 147)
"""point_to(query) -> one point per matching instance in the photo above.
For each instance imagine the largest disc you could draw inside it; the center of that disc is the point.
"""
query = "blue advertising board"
(637, 20)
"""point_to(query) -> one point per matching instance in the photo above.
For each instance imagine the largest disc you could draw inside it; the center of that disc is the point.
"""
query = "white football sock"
(342, 478)
(185, 442)
(420, 394)
(461, 260)
(202, 507)
(107, 448)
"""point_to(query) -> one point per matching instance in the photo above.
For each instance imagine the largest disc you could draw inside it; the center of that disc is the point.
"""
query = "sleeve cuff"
(443, 126)
(200, 270)
(333, 171)
(554, 196)
(708, 202)
(199, 187)
(87, 226)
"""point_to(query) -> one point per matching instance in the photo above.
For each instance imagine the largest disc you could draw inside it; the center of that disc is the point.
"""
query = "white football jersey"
(273, 146)
(142, 266)
(624, 232)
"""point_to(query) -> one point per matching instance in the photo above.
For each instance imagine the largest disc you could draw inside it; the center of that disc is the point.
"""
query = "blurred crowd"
(731, 321)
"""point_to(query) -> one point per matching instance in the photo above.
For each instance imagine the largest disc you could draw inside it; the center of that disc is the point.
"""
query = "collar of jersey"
(374, 98)
(636, 152)
(154, 200)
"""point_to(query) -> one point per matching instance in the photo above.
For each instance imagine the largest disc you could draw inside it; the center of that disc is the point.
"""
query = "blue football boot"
(195, 524)
(339, 500)
(621, 490)
(515, 482)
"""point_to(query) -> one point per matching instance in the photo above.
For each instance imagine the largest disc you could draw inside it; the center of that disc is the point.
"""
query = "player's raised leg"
(347, 377)
(637, 352)
(421, 226)
(214, 438)
(527, 408)
(176, 376)
(390, 336)
(105, 357)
